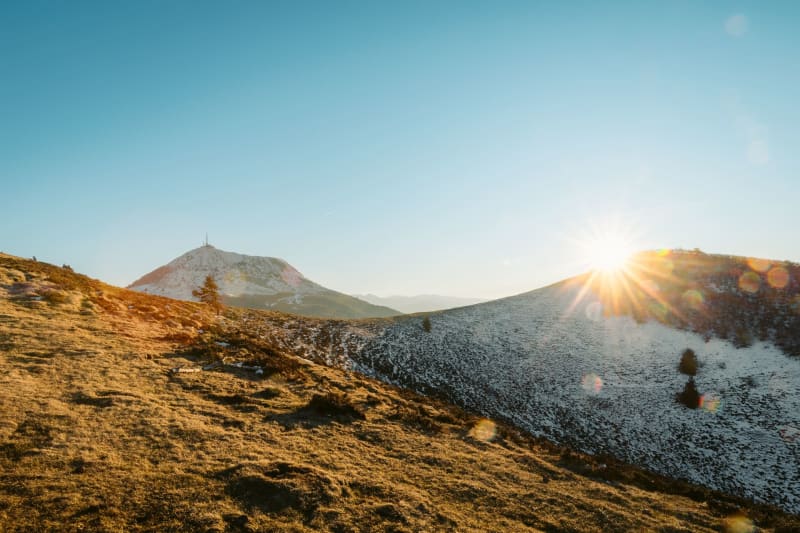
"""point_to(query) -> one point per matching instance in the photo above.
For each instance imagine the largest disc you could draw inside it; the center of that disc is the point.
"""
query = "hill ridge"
(255, 282)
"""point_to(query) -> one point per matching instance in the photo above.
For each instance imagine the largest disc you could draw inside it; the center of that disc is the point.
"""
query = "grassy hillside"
(328, 304)
(109, 423)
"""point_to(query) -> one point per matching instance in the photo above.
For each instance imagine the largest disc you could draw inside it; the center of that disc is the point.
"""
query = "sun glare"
(608, 253)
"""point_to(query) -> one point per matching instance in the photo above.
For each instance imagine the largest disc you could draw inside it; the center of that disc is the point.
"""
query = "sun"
(608, 247)
(617, 281)
(608, 253)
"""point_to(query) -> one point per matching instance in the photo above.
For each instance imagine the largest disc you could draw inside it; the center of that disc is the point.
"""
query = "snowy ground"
(607, 385)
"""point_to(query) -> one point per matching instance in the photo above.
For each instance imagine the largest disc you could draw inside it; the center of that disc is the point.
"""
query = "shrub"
(335, 405)
(55, 297)
(742, 338)
(417, 417)
(688, 364)
(689, 396)
(426, 324)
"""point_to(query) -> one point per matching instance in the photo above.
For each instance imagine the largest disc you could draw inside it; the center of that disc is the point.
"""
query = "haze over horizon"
(458, 148)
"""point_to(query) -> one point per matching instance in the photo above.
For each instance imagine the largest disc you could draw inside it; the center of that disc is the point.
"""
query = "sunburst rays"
(634, 288)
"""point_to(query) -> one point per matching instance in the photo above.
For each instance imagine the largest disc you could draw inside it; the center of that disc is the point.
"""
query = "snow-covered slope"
(607, 384)
(249, 281)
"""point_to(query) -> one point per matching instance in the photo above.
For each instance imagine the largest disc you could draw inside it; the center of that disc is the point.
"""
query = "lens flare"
(694, 299)
(710, 402)
(778, 277)
(658, 310)
(484, 430)
(594, 311)
(749, 282)
(759, 265)
(592, 383)
(738, 524)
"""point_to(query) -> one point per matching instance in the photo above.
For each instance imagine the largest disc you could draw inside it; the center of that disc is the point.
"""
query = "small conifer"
(208, 293)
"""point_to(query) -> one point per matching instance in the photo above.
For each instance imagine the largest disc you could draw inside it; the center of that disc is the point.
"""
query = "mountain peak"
(253, 281)
(236, 274)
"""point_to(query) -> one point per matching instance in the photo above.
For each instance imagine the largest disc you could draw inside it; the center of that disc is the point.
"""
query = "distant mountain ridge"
(254, 282)
(419, 303)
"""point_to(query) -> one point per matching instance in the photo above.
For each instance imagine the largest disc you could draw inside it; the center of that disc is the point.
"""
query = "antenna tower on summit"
(206, 243)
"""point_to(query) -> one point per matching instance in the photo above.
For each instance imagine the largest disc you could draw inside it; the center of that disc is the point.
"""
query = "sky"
(460, 148)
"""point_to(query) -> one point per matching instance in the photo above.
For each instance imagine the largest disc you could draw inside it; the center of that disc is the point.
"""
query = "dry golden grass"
(97, 434)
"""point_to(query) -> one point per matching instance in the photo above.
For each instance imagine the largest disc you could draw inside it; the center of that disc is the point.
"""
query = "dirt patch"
(336, 406)
(96, 401)
(30, 437)
(267, 394)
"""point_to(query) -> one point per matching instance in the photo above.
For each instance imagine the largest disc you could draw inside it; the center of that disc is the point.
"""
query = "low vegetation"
(689, 395)
(208, 293)
(688, 363)
(735, 298)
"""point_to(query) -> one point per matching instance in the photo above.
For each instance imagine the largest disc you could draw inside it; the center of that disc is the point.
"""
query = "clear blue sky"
(397, 147)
